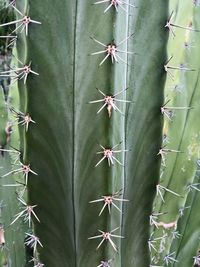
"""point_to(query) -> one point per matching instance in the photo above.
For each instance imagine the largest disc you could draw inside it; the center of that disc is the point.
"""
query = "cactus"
(91, 159)
(11, 237)
(12, 251)
(180, 174)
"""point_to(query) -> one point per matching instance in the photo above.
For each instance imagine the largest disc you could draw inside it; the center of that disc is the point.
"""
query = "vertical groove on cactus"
(146, 77)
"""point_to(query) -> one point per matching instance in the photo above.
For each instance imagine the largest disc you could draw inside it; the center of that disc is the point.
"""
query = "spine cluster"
(113, 52)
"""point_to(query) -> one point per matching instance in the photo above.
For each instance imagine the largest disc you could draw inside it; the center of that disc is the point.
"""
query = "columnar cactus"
(180, 173)
(11, 238)
(91, 159)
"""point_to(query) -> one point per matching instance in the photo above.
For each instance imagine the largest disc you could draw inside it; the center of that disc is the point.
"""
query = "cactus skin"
(143, 125)
(187, 245)
(188, 226)
(60, 141)
(12, 253)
